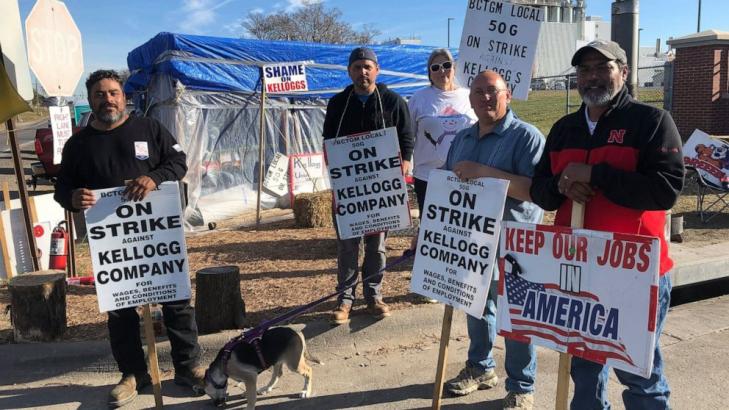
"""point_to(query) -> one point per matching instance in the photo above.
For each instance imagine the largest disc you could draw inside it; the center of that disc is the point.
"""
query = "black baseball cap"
(362, 53)
(610, 49)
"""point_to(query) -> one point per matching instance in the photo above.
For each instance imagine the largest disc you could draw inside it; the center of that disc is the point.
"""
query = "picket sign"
(139, 256)
(456, 250)
(368, 187)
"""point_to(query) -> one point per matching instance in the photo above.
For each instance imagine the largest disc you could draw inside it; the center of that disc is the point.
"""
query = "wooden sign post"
(152, 355)
(445, 337)
(565, 359)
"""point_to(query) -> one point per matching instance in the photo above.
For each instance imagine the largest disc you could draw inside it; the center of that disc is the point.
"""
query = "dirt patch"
(283, 267)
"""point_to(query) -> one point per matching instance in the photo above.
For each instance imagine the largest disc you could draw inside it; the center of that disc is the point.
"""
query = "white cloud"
(235, 27)
(197, 15)
(293, 5)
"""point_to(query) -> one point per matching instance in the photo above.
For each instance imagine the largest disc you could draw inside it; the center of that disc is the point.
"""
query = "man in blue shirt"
(502, 146)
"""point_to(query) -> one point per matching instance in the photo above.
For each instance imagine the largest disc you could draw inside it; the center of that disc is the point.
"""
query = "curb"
(363, 333)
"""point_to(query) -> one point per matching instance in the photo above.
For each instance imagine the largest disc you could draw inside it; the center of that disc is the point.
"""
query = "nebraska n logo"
(616, 136)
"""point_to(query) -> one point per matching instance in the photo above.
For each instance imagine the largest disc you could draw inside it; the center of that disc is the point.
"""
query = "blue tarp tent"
(205, 90)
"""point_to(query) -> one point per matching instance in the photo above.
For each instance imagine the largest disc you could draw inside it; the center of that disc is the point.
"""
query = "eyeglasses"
(447, 65)
(488, 92)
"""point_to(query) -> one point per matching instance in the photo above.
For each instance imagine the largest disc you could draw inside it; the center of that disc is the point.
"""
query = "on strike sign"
(502, 37)
(591, 294)
(285, 77)
(138, 248)
(369, 189)
(457, 241)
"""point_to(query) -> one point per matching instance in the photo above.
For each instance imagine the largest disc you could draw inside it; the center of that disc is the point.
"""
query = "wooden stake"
(33, 212)
(23, 192)
(6, 255)
(565, 359)
(261, 145)
(6, 195)
(445, 337)
(71, 257)
(152, 355)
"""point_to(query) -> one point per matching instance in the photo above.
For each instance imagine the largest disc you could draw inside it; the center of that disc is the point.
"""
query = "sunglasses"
(446, 66)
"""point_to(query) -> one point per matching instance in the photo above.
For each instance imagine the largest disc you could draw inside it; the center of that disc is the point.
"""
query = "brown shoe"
(190, 377)
(126, 390)
(340, 315)
(378, 309)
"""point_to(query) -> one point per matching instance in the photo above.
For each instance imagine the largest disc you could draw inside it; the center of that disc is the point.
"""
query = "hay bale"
(313, 210)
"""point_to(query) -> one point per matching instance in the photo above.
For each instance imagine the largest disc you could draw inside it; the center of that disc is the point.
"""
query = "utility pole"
(449, 32)
(624, 31)
(698, 19)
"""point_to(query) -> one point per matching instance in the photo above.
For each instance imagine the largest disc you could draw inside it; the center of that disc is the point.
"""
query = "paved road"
(368, 365)
(26, 137)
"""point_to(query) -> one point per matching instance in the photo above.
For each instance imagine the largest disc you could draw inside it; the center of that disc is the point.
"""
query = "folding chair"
(704, 205)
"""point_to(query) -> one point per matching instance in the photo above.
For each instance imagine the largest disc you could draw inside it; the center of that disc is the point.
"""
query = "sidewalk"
(388, 364)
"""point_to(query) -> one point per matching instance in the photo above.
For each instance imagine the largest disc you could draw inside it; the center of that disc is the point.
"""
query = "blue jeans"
(521, 359)
(591, 379)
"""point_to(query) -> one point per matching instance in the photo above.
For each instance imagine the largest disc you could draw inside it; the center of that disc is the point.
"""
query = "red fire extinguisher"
(59, 247)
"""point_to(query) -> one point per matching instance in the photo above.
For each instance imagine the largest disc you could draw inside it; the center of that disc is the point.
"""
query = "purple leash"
(257, 331)
(253, 336)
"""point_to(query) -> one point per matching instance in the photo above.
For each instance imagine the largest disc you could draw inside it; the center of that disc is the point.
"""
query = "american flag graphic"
(578, 344)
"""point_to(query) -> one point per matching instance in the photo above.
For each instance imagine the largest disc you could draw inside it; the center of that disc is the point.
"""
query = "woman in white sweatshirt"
(438, 113)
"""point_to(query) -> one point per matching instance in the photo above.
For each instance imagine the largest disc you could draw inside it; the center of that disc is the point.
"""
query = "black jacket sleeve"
(659, 177)
(66, 176)
(173, 165)
(403, 122)
(331, 118)
(544, 191)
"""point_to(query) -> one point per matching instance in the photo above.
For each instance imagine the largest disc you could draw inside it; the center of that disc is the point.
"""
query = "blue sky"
(110, 29)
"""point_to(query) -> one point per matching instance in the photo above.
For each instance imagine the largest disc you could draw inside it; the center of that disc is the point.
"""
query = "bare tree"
(312, 22)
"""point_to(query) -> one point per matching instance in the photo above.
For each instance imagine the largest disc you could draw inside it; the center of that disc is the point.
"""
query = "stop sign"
(54, 47)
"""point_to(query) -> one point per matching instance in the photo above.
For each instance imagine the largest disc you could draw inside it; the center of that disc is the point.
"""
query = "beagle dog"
(244, 361)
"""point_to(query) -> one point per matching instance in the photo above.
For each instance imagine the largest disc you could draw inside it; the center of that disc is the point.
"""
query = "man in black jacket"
(365, 106)
(116, 149)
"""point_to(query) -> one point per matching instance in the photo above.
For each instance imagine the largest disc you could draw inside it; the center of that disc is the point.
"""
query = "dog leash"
(253, 336)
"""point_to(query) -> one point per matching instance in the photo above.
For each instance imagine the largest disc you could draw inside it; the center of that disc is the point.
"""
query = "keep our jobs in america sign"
(502, 37)
(138, 250)
(588, 293)
(368, 186)
(458, 239)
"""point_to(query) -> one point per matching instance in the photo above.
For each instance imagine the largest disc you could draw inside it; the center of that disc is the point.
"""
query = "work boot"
(190, 377)
(126, 390)
(340, 315)
(519, 401)
(471, 379)
(378, 309)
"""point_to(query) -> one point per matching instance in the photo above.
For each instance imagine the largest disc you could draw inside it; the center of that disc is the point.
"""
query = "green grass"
(545, 107)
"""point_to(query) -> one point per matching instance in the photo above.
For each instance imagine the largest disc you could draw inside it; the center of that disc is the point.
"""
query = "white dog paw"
(304, 394)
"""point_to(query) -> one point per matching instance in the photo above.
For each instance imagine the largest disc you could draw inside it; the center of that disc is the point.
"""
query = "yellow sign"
(10, 102)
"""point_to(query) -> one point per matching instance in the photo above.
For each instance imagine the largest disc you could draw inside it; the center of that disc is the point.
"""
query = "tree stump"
(38, 301)
(313, 210)
(218, 302)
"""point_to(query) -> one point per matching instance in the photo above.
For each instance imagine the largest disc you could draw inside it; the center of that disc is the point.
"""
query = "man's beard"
(108, 117)
(598, 97)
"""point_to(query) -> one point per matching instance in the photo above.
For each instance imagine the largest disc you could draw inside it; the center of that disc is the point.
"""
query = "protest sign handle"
(71, 258)
(565, 359)
(152, 355)
(445, 336)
